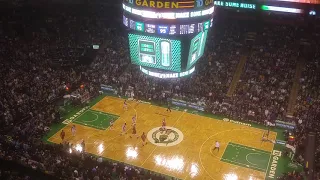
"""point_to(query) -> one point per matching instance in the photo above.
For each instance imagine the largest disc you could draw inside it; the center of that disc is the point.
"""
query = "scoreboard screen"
(168, 29)
(155, 52)
(301, 1)
(152, 14)
(167, 37)
(197, 48)
(169, 4)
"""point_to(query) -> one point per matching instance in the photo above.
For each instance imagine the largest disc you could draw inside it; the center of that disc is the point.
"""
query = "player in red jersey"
(134, 119)
(62, 135)
(144, 137)
(168, 108)
(134, 131)
(124, 127)
(163, 127)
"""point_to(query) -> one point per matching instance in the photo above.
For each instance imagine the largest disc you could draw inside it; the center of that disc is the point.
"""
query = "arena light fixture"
(312, 13)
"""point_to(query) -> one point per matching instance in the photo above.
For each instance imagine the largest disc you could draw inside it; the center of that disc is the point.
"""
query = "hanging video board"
(197, 48)
(167, 29)
(155, 52)
(166, 4)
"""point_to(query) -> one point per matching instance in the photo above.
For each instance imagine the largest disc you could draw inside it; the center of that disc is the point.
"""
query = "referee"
(216, 146)
(168, 109)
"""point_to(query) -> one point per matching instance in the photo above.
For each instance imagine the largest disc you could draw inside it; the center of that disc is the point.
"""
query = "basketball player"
(124, 127)
(163, 127)
(62, 135)
(125, 105)
(168, 109)
(83, 145)
(134, 131)
(265, 135)
(73, 130)
(143, 137)
(111, 124)
(134, 118)
(137, 102)
(216, 146)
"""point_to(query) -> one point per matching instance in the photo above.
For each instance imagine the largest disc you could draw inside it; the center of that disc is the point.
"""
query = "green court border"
(56, 127)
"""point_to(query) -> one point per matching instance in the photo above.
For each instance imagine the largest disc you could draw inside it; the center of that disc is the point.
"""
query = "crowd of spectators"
(307, 108)
(265, 84)
(33, 53)
(34, 77)
(292, 176)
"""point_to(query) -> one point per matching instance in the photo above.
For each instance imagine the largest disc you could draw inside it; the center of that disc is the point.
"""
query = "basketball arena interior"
(160, 89)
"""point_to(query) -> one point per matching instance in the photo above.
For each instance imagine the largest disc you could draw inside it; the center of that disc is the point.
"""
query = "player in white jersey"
(216, 146)
(125, 105)
(111, 124)
(124, 127)
(73, 130)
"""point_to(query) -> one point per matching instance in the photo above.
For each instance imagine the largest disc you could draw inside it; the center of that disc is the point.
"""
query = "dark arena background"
(160, 89)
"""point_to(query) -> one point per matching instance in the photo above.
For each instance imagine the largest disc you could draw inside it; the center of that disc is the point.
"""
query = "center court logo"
(171, 137)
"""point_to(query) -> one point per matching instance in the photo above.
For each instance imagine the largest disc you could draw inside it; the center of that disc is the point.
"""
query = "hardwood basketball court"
(184, 153)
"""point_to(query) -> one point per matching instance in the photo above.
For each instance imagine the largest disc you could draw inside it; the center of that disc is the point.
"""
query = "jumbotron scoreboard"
(167, 37)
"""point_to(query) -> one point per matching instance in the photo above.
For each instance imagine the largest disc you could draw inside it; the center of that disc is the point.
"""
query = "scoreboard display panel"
(167, 37)
(168, 29)
(197, 46)
(155, 52)
(301, 1)
(169, 4)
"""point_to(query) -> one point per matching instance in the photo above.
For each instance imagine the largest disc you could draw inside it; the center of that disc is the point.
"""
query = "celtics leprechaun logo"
(165, 137)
